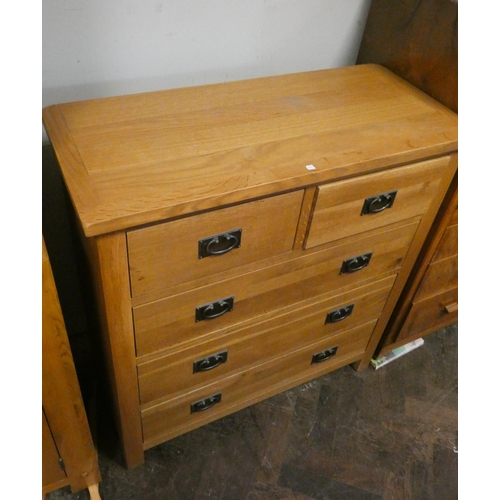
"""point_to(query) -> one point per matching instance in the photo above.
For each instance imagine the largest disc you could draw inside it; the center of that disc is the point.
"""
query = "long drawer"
(176, 416)
(174, 320)
(179, 251)
(201, 364)
(354, 205)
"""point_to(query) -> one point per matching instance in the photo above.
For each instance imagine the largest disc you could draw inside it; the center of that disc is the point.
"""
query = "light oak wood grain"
(448, 174)
(65, 429)
(171, 320)
(447, 217)
(337, 213)
(306, 210)
(136, 159)
(173, 417)
(107, 257)
(448, 246)
(170, 374)
(440, 276)
(165, 255)
(292, 157)
(417, 40)
(427, 314)
(52, 472)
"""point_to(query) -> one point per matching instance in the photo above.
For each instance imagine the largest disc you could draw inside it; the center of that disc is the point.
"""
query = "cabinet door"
(51, 470)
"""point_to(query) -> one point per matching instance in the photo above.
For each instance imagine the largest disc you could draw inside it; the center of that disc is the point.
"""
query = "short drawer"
(431, 314)
(355, 205)
(186, 369)
(179, 251)
(440, 276)
(173, 320)
(179, 415)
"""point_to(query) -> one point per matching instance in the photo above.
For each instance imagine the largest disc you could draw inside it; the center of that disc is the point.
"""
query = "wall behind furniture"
(95, 48)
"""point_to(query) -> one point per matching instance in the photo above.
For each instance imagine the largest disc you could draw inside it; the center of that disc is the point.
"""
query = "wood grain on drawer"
(448, 246)
(430, 314)
(339, 206)
(173, 417)
(171, 321)
(174, 373)
(440, 276)
(167, 254)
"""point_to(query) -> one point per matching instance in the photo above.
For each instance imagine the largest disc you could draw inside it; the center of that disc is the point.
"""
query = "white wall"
(98, 48)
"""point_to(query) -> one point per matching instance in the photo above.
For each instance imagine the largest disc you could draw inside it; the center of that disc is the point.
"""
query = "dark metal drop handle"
(356, 263)
(339, 314)
(219, 244)
(230, 239)
(210, 362)
(206, 404)
(378, 203)
(214, 310)
(324, 355)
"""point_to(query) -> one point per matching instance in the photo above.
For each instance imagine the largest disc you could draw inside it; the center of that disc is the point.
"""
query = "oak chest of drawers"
(246, 237)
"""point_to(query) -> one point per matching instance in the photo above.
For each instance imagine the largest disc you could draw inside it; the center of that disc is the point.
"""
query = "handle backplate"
(214, 309)
(219, 244)
(339, 314)
(378, 203)
(210, 362)
(355, 264)
(206, 404)
(319, 357)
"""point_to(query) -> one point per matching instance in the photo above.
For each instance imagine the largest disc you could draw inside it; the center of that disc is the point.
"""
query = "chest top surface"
(137, 159)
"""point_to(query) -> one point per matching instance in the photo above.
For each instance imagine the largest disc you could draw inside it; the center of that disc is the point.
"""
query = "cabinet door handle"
(378, 203)
(319, 357)
(339, 314)
(355, 264)
(214, 309)
(210, 362)
(219, 244)
(206, 404)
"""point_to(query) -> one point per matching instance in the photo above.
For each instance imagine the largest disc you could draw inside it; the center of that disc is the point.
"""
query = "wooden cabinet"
(418, 40)
(68, 455)
(430, 299)
(249, 236)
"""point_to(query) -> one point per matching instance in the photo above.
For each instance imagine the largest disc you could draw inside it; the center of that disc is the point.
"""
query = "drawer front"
(171, 321)
(176, 252)
(196, 366)
(355, 205)
(448, 246)
(174, 417)
(440, 276)
(431, 314)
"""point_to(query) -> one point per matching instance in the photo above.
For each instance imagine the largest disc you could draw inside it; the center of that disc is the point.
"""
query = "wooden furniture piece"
(246, 237)
(68, 454)
(430, 299)
(418, 40)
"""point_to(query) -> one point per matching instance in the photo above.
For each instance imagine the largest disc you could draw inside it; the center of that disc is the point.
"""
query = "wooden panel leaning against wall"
(68, 454)
(418, 40)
